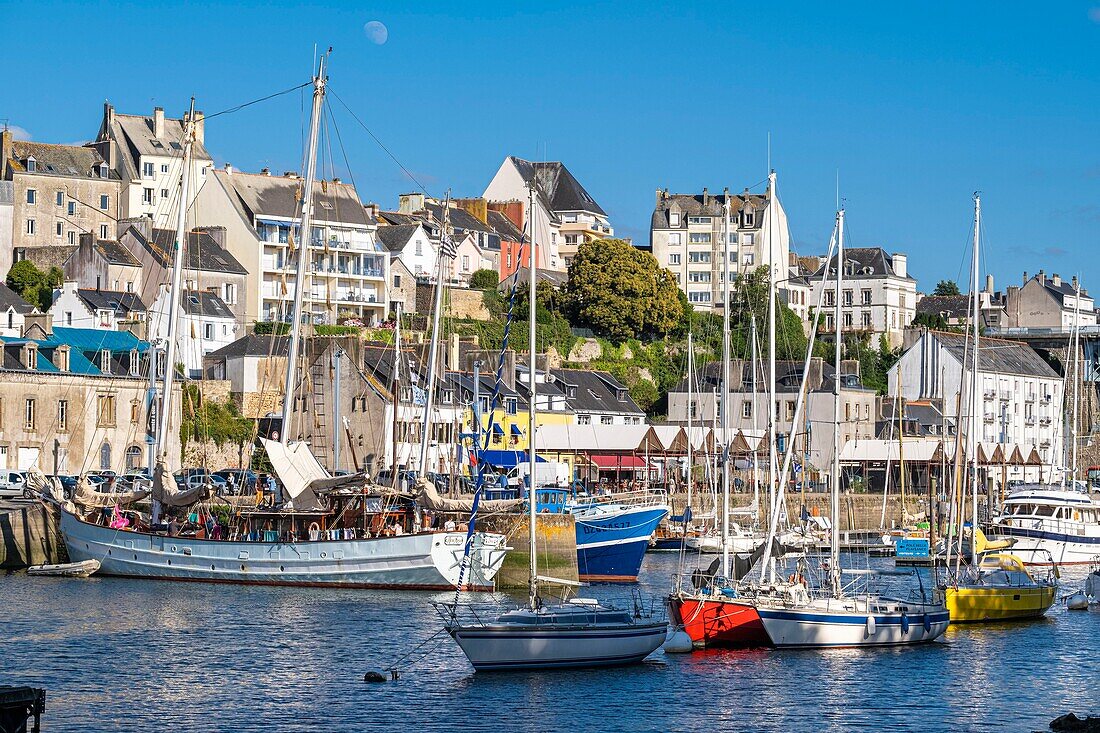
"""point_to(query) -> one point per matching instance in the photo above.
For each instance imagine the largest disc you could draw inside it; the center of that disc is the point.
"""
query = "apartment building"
(878, 296)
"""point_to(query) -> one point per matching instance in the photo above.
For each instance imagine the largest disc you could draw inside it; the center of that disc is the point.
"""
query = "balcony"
(1044, 420)
(990, 417)
(1030, 420)
(989, 394)
(1006, 395)
(1030, 397)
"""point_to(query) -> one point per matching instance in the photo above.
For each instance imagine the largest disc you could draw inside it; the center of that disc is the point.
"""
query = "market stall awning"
(609, 462)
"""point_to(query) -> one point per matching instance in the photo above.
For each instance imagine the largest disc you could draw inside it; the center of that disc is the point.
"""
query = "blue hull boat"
(612, 538)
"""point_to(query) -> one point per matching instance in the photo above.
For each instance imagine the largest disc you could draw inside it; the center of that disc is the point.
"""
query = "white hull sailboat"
(577, 633)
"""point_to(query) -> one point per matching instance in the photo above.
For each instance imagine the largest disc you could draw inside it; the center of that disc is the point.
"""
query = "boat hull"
(427, 561)
(1038, 546)
(611, 541)
(975, 604)
(713, 622)
(500, 648)
(810, 627)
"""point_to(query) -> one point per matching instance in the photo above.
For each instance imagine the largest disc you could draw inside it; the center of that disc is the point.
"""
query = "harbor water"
(118, 654)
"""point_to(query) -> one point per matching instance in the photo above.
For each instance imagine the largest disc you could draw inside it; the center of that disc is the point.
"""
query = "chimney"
(215, 233)
(1073, 282)
(901, 265)
(158, 122)
(290, 174)
(989, 283)
(814, 375)
(229, 168)
(372, 209)
(200, 127)
(660, 198)
(1055, 280)
(336, 180)
(265, 171)
(725, 194)
(706, 197)
(409, 203)
(6, 140)
(1025, 277)
(1041, 277)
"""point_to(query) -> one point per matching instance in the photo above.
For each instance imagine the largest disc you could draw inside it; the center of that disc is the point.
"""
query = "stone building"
(147, 155)
(103, 264)
(75, 400)
(59, 192)
(1042, 301)
(686, 238)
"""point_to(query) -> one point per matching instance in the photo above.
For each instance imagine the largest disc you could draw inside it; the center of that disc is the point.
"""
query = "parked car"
(136, 480)
(385, 478)
(68, 484)
(195, 480)
(242, 480)
(13, 484)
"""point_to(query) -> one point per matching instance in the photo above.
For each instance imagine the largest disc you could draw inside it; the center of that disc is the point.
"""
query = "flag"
(447, 246)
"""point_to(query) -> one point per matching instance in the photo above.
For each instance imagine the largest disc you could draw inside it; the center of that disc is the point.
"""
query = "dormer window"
(32, 164)
(749, 217)
(105, 361)
(572, 392)
(674, 218)
(61, 358)
(103, 170)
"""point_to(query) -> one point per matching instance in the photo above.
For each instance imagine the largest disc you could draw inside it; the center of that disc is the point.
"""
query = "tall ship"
(332, 530)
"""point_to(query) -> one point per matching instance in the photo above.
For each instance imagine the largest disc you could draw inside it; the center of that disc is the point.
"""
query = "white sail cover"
(297, 469)
(168, 492)
(87, 497)
(430, 498)
(39, 482)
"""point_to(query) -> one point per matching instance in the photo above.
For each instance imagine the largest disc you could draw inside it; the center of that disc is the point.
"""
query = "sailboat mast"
(691, 410)
(174, 290)
(304, 237)
(532, 277)
(972, 444)
(834, 497)
(773, 276)
(755, 430)
(396, 393)
(1075, 349)
(433, 348)
(726, 392)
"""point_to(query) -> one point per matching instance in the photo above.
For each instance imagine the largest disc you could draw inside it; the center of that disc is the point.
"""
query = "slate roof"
(261, 195)
(204, 303)
(998, 356)
(1064, 289)
(200, 252)
(862, 262)
(691, 204)
(504, 227)
(465, 382)
(950, 306)
(461, 220)
(557, 186)
(255, 345)
(596, 391)
(11, 299)
(788, 378)
(115, 253)
(395, 237)
(135, 134)
(69, 161)
(113, 300)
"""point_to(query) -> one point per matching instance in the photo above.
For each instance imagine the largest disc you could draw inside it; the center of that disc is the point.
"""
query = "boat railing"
(640, 497)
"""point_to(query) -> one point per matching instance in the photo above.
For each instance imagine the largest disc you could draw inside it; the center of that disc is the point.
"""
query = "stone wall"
(215, 457)
(30, 535)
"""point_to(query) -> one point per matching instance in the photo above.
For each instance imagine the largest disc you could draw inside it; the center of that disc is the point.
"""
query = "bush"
(330, 330)
(268, 328)
(484, 280)
(33, 285)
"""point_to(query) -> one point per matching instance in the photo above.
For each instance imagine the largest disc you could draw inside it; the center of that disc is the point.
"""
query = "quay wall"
(30, 534)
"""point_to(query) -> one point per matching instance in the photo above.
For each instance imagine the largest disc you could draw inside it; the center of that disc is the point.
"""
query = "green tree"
(215, 421)
(484, 279)
(749, 304)
(621, 292)
(946, 287)
(35, 286)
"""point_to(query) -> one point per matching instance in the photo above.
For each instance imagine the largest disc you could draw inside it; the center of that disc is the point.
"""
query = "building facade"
(1042, 301)
(205, 324)
(686, 238)
(878, 296)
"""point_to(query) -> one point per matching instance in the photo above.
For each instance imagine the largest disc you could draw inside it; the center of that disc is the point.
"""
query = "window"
(749, 217)
(104, 172)
(847, 297)
(746, 409)
(584, 419)
(466, 262)
(129, 286)
(606, 420)
(72, 237)
(32, 164)
(60, 198)
(105, 411)
(830, 297)
(847, 320)
(72, 208)
(699, 257)
(208, 331)
(104, 201)
(790, 409)
(105, 457)
(164, 193)
(397, 281)
(229, 293)
(733, 238)
(748, 239)
(32, 196)
(698, 220)
(30, 226)
(571, 239)
(699, 277)
(62, 415)
(829, 322)
(699, 296)
(103, 231)
(163, 167)
(419, 248)
(674, 218)
(865, 319)
(699, 237)
(674, 239)
(135, 411)
(146, 195)
(748, 258)
(511, 405)
(60, 228)
(29, 417)
(865, 297)
(674, 258)
(147, 170)
(133, 458)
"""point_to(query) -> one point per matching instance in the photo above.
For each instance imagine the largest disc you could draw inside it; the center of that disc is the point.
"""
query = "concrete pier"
(29, 535)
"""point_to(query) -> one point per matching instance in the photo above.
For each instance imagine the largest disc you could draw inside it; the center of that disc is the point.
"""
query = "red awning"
(611, 462)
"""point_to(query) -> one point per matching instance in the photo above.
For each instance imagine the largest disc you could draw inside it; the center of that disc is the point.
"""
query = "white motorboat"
(79, 569)
(1050, 524)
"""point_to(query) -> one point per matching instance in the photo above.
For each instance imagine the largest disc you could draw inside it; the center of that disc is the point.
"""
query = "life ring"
(314, 527)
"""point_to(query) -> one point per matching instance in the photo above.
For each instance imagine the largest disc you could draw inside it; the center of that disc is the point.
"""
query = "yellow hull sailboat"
(1000, 589)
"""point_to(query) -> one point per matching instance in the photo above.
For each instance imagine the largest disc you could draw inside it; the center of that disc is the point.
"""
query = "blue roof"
(94, 339)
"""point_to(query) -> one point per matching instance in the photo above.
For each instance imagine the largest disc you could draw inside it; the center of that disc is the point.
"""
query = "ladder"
(317, 381)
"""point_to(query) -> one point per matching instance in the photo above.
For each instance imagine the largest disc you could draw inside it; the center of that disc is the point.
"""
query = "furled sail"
(168, 492)
(87, 497)
(50, 487)
(430, 499)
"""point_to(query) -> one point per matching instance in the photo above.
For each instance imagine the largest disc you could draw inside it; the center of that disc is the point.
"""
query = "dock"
(29, 535)
(21, 709)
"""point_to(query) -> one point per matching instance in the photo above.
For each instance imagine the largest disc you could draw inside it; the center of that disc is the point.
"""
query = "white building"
(566, 215)
(1020, 401)
(411, 244)
(110, 310)
(13, 312)
(878, 295)
(205, 324)
(147, 154)
(261, 213)
(686, 233)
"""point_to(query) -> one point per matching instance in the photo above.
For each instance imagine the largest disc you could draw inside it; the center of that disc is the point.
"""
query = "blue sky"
(914, 105)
